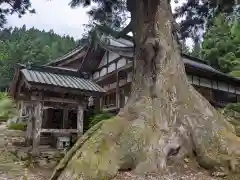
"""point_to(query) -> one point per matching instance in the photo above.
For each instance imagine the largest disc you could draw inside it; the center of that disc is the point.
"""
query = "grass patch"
(17, 126)
(100, 117)
(7, 107)
(9, 164)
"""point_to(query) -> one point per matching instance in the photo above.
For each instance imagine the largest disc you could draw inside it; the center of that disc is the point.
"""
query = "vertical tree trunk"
(164, 120)
(157, 57)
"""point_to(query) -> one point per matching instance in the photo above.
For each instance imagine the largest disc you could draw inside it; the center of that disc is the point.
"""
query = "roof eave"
(53, 88)
(16, 79)
(66, 56)
(206, 73)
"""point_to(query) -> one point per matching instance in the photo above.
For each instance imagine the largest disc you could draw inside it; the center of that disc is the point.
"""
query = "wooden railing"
(109, 107)
(60, 131)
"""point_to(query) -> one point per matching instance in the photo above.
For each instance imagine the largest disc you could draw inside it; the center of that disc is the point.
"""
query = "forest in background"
(221, 44)
(220, 47)
(22, 45)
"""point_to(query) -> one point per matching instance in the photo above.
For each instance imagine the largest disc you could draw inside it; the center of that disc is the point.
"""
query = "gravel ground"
(11, 168)
(188, 171)
(29, 176)
(172, 176)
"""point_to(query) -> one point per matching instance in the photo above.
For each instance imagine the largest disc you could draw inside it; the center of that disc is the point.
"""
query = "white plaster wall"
(111, 67)
(214, 85)
(195, 80)
(104, 60)
(126, 98)
(222, 86)
(189, 78)
(205, 82)
(238, 91)
(103, 72)
(112, 56)
(129, 77)
(95, 75)
(232, 89)
(122, 62)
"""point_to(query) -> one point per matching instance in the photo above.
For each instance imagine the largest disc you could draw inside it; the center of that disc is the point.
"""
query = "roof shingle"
(60, 80)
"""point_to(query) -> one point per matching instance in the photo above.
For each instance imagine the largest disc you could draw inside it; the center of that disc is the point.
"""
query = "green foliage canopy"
(17, 126)
(7, 107)
(221, 45)
(100, 117)
(20, 45)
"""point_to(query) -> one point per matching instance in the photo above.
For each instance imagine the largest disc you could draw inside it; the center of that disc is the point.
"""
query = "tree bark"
(165, 118)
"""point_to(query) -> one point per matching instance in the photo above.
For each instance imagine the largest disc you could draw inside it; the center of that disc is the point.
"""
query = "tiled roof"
(60, 80)
(200, 65)
(193, 62)
(65, 56)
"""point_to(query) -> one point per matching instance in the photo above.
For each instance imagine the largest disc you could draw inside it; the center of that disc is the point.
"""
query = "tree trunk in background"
(165, 119)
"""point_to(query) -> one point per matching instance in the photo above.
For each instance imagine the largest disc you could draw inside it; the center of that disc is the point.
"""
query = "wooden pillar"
(45, 122)
(238, 98)
(21, 104)
(37, 127)
(117, 92)
(80, 116)
(65, 118)
(100, 103)
(29, 131)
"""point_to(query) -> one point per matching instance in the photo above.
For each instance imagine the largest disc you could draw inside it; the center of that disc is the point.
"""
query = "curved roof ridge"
(65, 56)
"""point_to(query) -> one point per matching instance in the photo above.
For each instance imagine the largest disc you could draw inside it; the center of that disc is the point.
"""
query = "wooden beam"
(71, 59)
(100, 79)
(37, 127)
(101, 103)
(60, 131)
(65, 118)
(37, 87)
(60, 100)
(29, 131)
(59, 106)
(20, 85)
(23, 97)
(117, 92)
(56, 100)
(80, 117)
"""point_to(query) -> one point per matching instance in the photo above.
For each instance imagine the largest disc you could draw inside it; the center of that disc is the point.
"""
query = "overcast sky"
(54, 14)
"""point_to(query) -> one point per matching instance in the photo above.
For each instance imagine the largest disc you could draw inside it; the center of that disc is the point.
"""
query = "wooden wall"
(112, 65)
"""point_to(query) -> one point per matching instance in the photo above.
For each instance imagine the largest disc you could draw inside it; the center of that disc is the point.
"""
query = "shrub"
(232, 107)
(17, 126)
(235, 73)
(7, 107)
(232, 114)
(100, 117)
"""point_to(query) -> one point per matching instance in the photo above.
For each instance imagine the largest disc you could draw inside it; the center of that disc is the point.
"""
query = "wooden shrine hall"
(54, 100)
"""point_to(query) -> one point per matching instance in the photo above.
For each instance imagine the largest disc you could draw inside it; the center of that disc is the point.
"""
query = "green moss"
(98, 158)
(216, 156)
(17, 126)
(100, 117)
(74, 152)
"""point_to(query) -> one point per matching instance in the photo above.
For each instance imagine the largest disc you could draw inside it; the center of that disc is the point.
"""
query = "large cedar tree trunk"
(165, 119)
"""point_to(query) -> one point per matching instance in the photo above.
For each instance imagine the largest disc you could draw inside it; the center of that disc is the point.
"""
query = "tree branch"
(116, 34)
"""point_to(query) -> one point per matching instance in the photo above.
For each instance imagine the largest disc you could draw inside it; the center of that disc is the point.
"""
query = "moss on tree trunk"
(165, 118)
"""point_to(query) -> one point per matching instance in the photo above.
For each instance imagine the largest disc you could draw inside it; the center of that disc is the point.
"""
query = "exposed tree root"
(165, 119)
(63, 163)
(137, 141)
